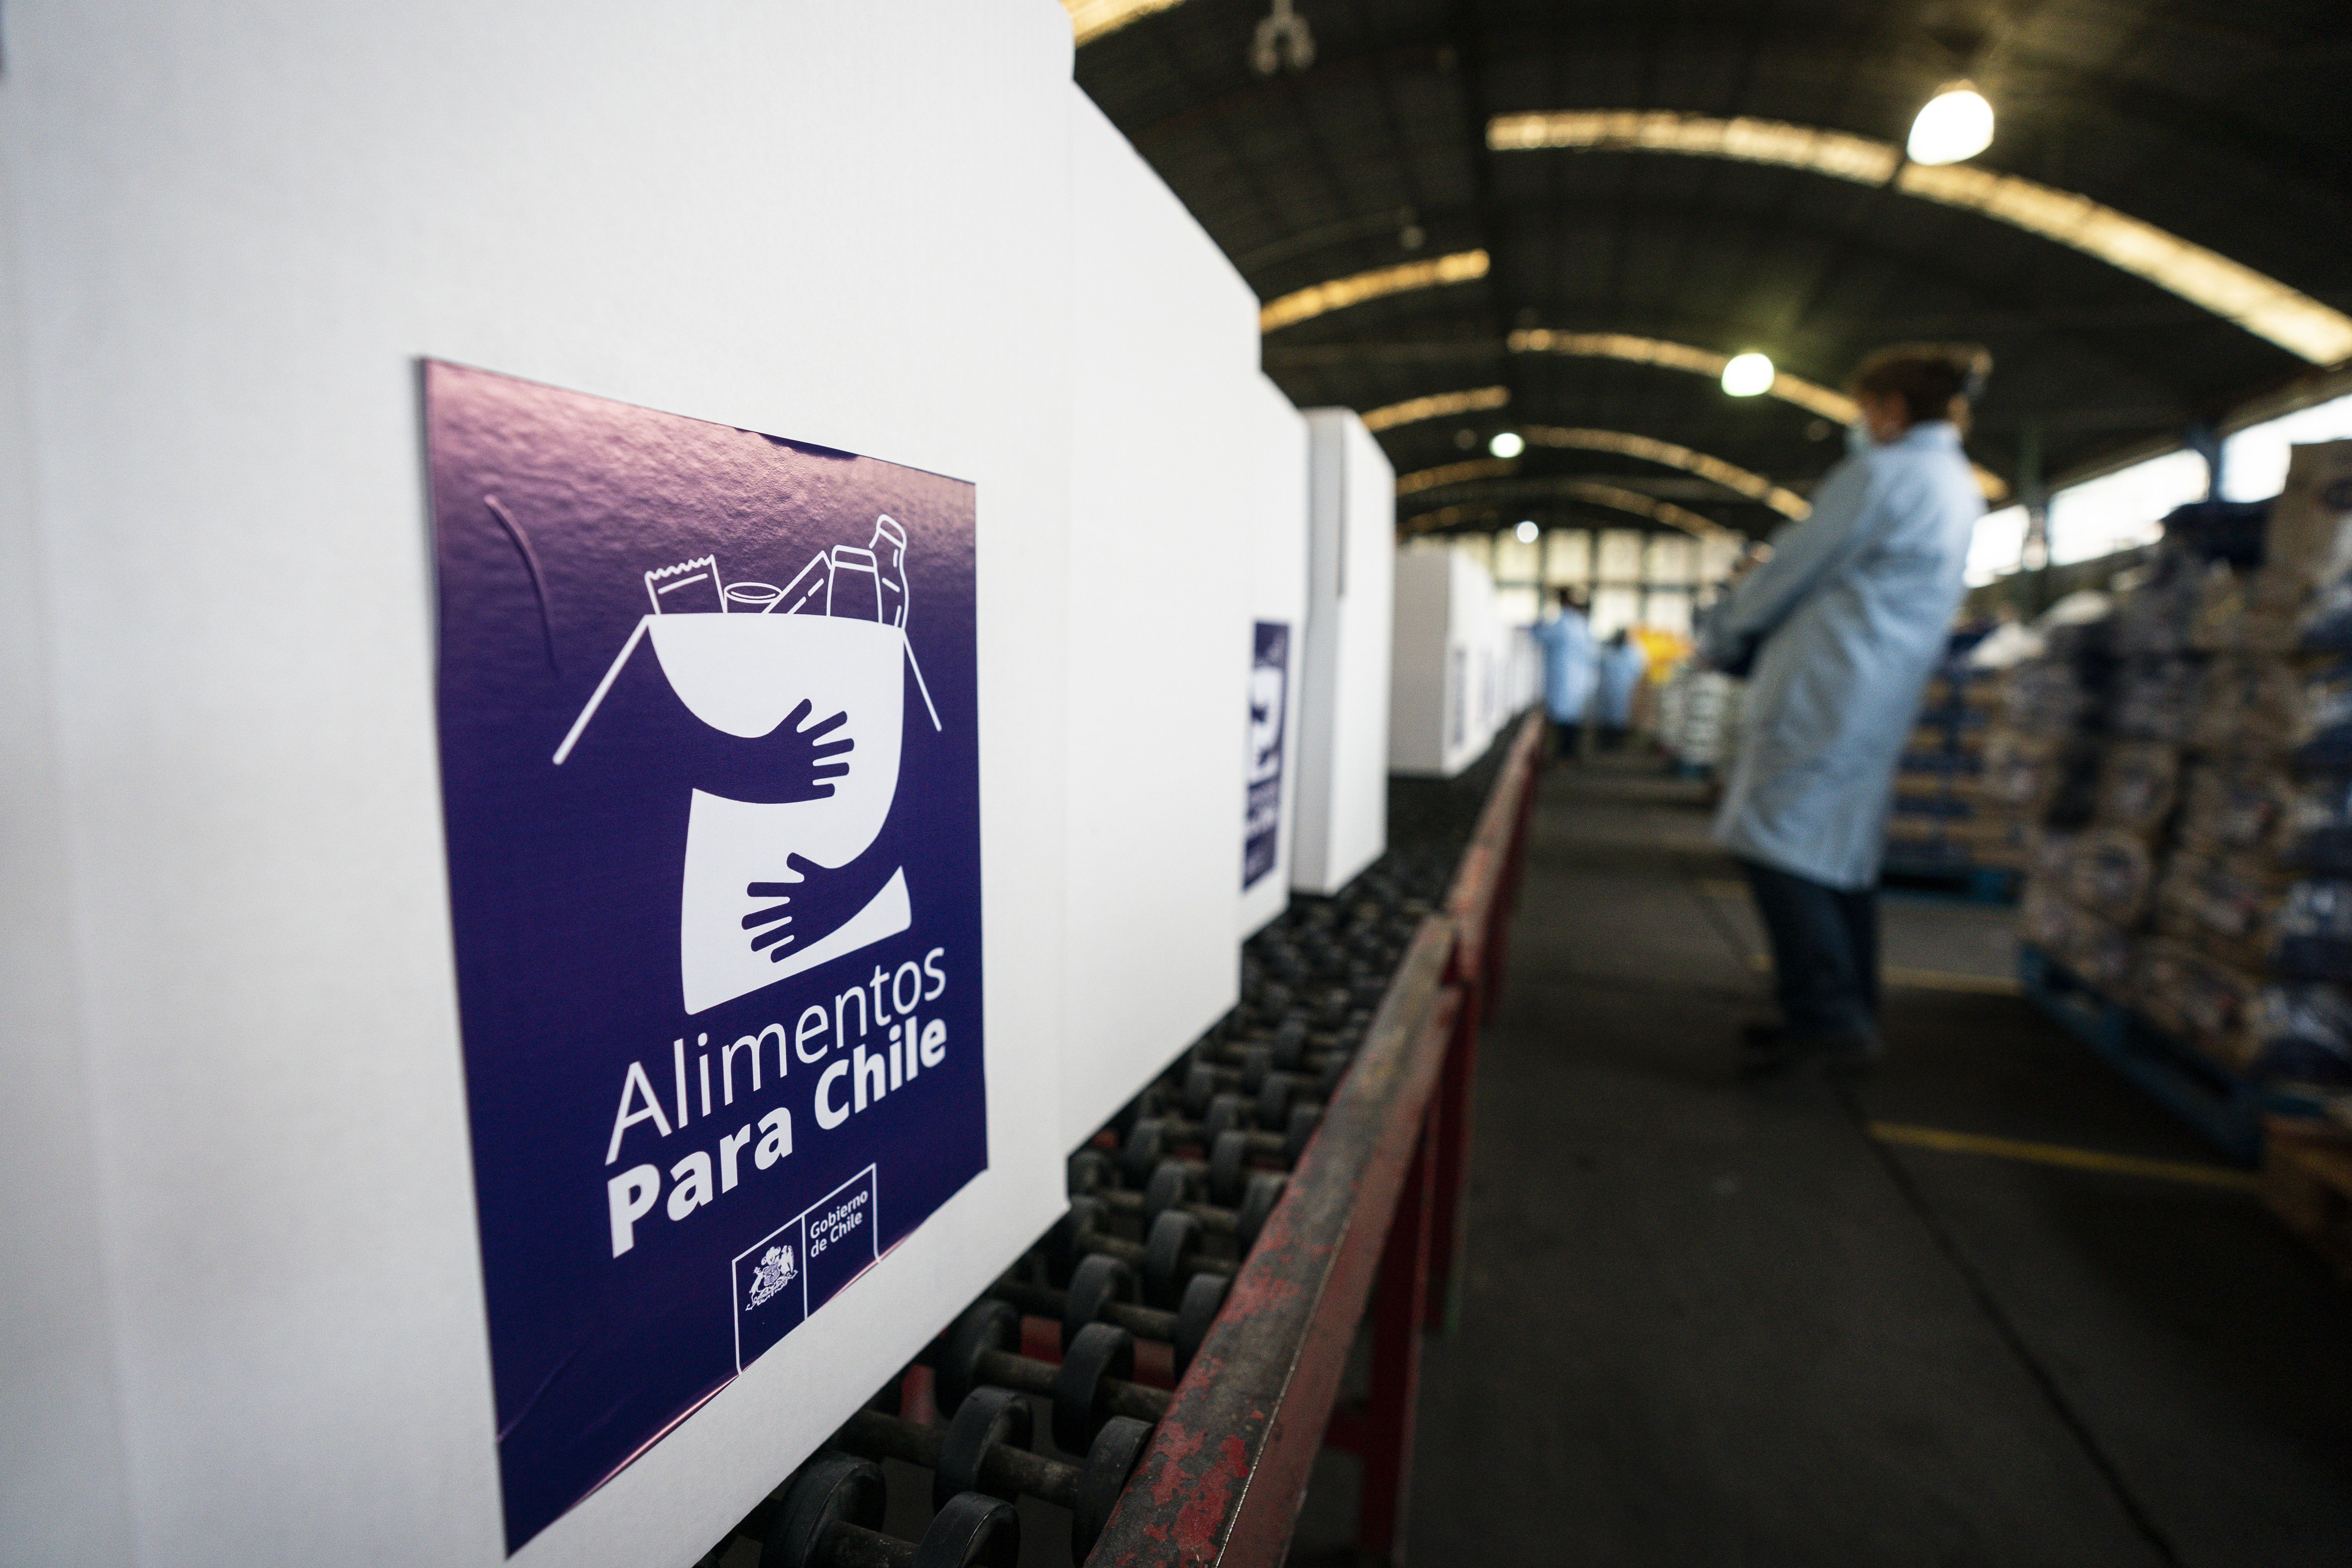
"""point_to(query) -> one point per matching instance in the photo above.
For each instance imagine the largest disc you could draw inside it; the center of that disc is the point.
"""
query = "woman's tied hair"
(1932, 381)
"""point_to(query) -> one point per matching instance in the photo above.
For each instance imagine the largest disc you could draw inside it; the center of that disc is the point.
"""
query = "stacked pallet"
(1698, 719)
(1944, 823)
(2209, 886)
(2253, 912)
(2042, 765)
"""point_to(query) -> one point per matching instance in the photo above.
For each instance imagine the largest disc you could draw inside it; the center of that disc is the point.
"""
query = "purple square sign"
(710, 760)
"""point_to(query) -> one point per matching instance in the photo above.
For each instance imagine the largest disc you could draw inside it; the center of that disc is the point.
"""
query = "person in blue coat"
(1567, 641)
(1622, 667)
(1844, 624)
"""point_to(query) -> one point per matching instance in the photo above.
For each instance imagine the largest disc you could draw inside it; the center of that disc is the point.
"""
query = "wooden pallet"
(2307, 1183)
(2230, 1110)
(1966, 882)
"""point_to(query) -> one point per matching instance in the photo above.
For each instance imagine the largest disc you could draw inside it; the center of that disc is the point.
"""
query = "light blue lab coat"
(1620, 671)
(1854, 607)
(1567, 640)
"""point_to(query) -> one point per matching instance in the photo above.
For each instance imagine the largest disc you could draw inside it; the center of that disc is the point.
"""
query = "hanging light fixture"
(1745, 375)
(1506, 444)
(1527, 533)
(1282, 40)
(1956, 123)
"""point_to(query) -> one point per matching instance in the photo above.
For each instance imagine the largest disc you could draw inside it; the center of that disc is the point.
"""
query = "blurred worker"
(1623, 665)
(1567, 640)
(1842, 627)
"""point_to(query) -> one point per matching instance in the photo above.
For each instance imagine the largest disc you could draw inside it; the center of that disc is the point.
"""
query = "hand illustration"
(774, 923)
(804, 757)
(813, 904)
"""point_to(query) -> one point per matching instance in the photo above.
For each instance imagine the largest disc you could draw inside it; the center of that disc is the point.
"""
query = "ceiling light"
(1527, 533)
(1506, 444)
(1282, 39)
(1956, 123)
(1746, 374)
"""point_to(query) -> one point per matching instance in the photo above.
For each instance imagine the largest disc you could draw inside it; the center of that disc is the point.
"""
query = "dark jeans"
(1567, 736)
(1824, 951)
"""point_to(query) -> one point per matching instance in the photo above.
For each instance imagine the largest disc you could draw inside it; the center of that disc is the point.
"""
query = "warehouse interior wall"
(234, 231)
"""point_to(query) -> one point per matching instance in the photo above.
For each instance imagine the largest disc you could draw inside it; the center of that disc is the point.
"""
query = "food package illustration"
(710, 761)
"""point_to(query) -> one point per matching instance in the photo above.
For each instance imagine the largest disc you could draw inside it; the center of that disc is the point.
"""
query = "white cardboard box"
(1343, 751)
(256, 1334)
(1274, 452)
(1166, 500)
(1447, 695)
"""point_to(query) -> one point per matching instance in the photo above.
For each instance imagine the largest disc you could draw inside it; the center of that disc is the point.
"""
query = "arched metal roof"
(1466, 194)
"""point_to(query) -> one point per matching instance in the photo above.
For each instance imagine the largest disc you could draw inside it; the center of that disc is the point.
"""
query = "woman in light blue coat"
(1621, 668)
(1567, 641)
(1844, 624)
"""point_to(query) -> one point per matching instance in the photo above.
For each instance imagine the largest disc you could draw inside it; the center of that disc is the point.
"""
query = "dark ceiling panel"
(2223, 122)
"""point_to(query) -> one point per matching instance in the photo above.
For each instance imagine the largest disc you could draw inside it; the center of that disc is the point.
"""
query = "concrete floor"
(1708, 1323)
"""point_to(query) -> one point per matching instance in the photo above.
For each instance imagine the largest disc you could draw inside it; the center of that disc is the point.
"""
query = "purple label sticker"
(1269, 715)
(709, 757)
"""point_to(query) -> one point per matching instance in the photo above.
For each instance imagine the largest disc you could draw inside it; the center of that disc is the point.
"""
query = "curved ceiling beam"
(2146, 353)
(1454, 474)
(1339, 293)
(2132, 361)
(2030, 78)
(1090, 20)
(2261, 304)
(1437, 405)
(1592, 492)
(1810, 395)
(1730, 475)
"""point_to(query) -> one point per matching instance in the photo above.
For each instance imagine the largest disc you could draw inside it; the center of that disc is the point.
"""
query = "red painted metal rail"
(1369, 1218)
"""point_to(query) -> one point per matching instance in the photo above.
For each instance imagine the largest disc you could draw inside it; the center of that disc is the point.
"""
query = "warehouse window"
(1519, 606)
(1667, 610)
(2124, 509)
(1996, 546)
(1568, 557)
(1515, 558)
(2254, 461)
(1614, 610)
(1620, 555)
